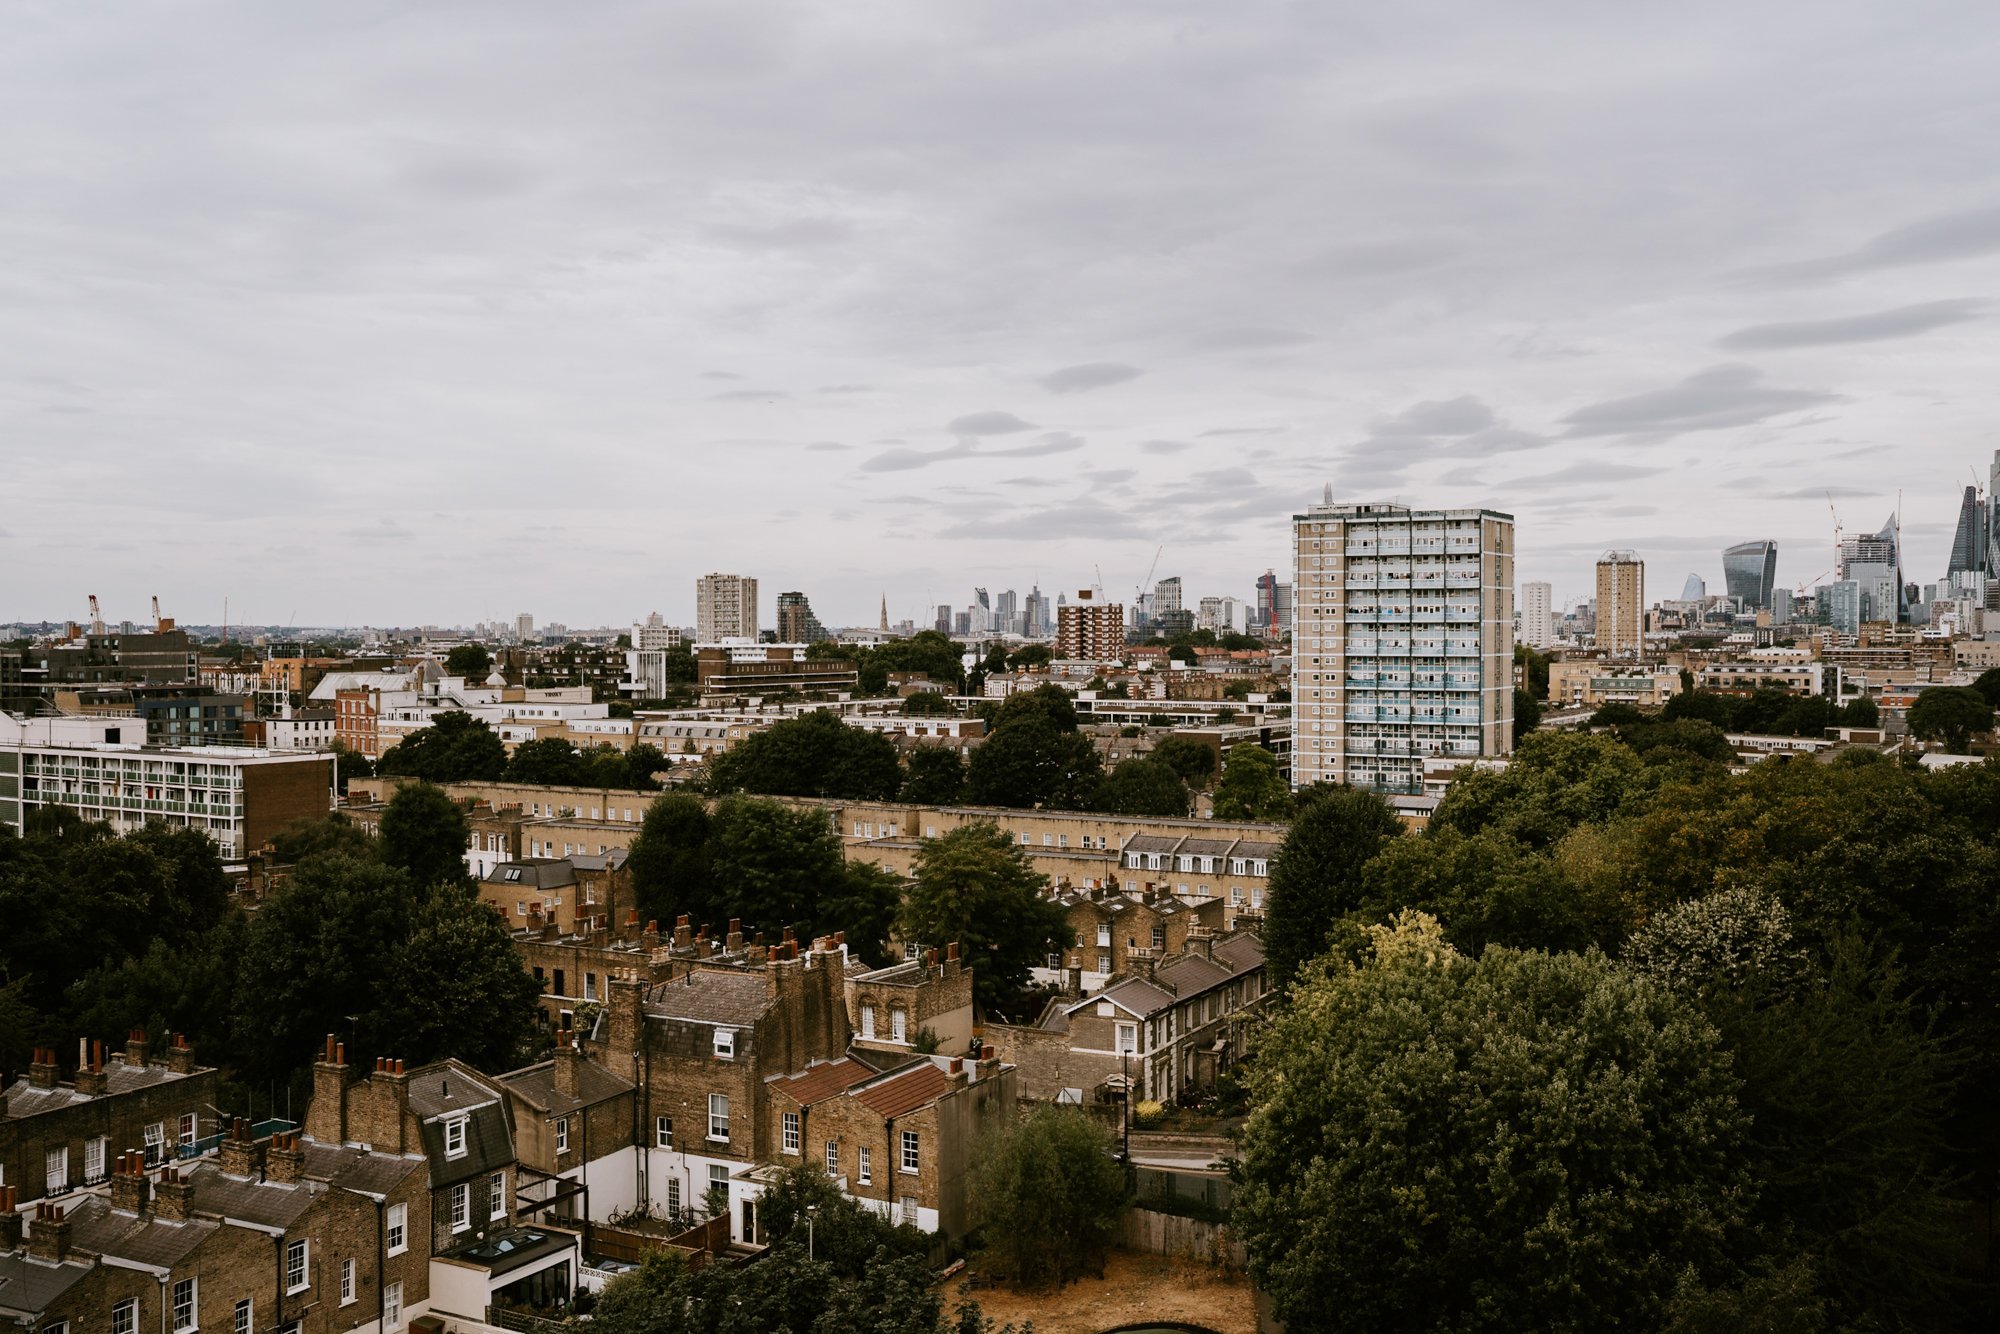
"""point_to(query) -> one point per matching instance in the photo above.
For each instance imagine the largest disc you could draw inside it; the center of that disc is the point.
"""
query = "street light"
(811, 1209)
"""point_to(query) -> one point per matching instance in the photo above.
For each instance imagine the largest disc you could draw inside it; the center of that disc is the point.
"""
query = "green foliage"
(546, 762)
(1951, 715)
(672, 862)
(1050, 1194)
(1522, 1142)
(1555, 782)
(455, 748)
(1764, 712)
(862, 902)
(1143, 786)
(1527, 713)
(1049, 703)
(926, 704)
(1862, 711)
(350, 764)
(1534, 668)
(771, 862)
(815, 755)
(1316, 877)
(454, 986)
(1988, 685)
(1030, 656)
(1193, 760)
(425, 834)
(470, 661)
(935, 655)
(975, 886)
(935, 777)
(1030, 761)
(1252, 788)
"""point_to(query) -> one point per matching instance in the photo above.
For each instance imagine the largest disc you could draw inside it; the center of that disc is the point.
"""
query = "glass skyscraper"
(1750, 569)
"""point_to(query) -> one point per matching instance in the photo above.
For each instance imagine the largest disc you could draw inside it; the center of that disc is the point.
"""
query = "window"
(296, 1255)
(562, 1134)
(392, 1306)
(909, 1150)
(496, 1196)
(1128, 1039)
(590, 986)
(833, 1157)
(246, 1317)
(125, 1317)
(790, 1121)
(184, 1305)
(56, 1169)
(187, 1128)
(1103, 963)
(867, 1021)
(156, 1143)
(398, 1237)
(1159, 937)
(673, 1194)
(1103, 934)
(718, 1176)
(898, 1025)
(718, 1117)
(454, 1137)
(663, 1132)
(910, 1210)
(461, 1207)
(725, 1044)
(346, 1282)
(863, 1162)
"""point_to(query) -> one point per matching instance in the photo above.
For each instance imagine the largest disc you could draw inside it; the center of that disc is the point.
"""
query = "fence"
(1144, 1229)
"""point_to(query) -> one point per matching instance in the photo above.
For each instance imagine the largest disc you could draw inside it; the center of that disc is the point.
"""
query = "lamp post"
(811, 1210)
(1125, 1073)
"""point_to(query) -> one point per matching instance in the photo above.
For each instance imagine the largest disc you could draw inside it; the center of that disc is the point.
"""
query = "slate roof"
(536, 1084)
(1242, 951)
(733, 1000)
(822, 1079)
(1206, 847)
(358, 1169)
(23, 1099)
(1134, 995)
(449, 1087)
(1150, 843)
(593, 861)
(141, 1238)
(30, 1288)
(263, 1202)
(1191, 974)
(904, 1092)
(534, 873)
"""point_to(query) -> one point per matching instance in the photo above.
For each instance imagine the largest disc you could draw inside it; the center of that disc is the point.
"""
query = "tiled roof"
(1188, 974)
(1137, 997)
(822, 1079)
(905, 1092)
(23, 1099)
(736, 1000)
(533, 873)
(358, 1169)
(448, 1086)
(1150, 843)
(253, 1201)
(1256, 848)
(1241, 951)
(141, 1238)
(1206, 847)
(594, 1084)
(31, 1288)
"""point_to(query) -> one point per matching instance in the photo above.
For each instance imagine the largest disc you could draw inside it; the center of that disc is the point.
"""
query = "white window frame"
(909, 1211)
(912, 1155)
(298, 1265)
(55, 1169)
(246, 1317)
(454, 1137)
(187, 1305)
(899, 1024)
(347, 1293)
(1128, 1040)
(868, 1021)
(864, 1165)
(673, 1192)
(398, 1229)
(663, 1132)
(496, 1195)
(718, 1115)
(562, 1134)
(789, 1122)
(725, 1044)
(95, 1150)
(392, 1307)
(125, 1317)
(189, 1128)
(461, 1207)
(833, 1157)
(156, 1143)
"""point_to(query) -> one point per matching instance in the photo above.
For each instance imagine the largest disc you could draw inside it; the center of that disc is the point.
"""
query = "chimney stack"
(326, 1114)
(172, 1196)
(90, 1078)
(49, 1240)
(180, 1056)
(239, 1151)
(566, 1058)
(129, 1187)
(734, 941)
(42, 1069)
(135, 1047)
(284, 1160)
(683, 935)
(10, 1222)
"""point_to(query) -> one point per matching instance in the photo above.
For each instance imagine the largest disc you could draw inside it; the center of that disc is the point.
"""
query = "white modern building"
(1538, 622)
(725, 607)
(1223, 615)
(1402, 641)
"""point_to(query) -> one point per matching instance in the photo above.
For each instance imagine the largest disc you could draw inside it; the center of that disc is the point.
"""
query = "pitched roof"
(263, 1202)
(141, 1238)
(905, 1091)
(1241, 951)
(32, 1288)
(1150, 843)
(537, 1084)
(1189, 974)
(1135, 996)
(371, 1173)
(24, 1099)
(533, 873)
(821, 1080)
(733, 1000)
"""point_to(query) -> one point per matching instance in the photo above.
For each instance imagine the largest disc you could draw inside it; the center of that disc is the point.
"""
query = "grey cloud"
(1254, 339)
(1239, 430)
(720, 375)
(1902, 322)
(1718, 397)
(988, 423)
(749, 395)
(1593, 471)
(845, 388)
(1090, 375)
(793, 233)
(1822, 492)
(1458, 416)
(901, 460)
(826, 447)
(1080, 521)
(1164, 446)
(1052, 442)
(1939, 240)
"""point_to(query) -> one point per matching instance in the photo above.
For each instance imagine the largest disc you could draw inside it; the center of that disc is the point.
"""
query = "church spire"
(885, 612)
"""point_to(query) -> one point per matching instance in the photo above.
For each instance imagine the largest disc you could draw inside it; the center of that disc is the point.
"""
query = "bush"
(1146, 1115)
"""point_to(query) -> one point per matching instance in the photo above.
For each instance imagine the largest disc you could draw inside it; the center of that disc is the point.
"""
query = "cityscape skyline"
(563, 343)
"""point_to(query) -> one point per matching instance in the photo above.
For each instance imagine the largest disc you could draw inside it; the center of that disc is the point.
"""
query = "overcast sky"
(380, 313)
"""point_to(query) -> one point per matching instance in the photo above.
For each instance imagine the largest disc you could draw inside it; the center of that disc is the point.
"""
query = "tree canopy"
(471, 661)
(975, 886)
(1029, 760)
(1316, 877)
(935, 777)
(1143, 786)
(1049, 1193)
(1951, 715)
(455, 748)
(816, 755)
(1252, 787)
(424, 834)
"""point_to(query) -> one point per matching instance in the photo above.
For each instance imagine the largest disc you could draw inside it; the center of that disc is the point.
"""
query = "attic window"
(725, 1044)
(511, 873)
(454, 1137)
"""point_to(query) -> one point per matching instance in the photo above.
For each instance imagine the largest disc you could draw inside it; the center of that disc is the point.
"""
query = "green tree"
(672, 860)
(816, 755)
(926, 704)
(455, 987)
(1951, 715)
(1527, 714)
(1049, 703)
(550, 761)
(642, 762)
(424, 833)
(455, 748)
(862, 902)
(935, 777)
(350, 764)
(1143, 786)
(333, 832)
(1534, 669)
(771, 863)
(1988, 685)
(1030, 656)
(928, 652)
(470, 661)
(1316, 876)
(1050, 1194)
(1193, 760)
(973, 885)
(1252, 788)
(1861, 711)
(1522, 1142)
(1555, 782)
(1028, 762)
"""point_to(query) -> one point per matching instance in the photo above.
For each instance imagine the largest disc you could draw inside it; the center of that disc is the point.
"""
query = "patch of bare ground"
(1135, 1289)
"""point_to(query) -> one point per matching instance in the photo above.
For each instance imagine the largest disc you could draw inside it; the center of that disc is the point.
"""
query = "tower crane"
(156, 612)
(96, 617)
(1140, 591)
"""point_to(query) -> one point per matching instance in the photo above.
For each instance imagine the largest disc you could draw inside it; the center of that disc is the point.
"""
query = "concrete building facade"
(1621, 605)
(725, 607)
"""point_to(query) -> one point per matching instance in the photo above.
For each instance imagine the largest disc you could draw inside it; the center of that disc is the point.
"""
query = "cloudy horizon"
(363, 313)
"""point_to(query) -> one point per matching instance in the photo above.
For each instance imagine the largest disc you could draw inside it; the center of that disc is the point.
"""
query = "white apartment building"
(1402, 641)
(1538, 622)
(1223, 615)
(725, 607)
(654, 634)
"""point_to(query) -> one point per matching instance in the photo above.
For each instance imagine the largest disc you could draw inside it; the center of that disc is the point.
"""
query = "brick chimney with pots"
(129, 1188)
(566, 1057)
(172, 1194)
(180, 1055)
(285, 1159)
(48, 1239)
(628, 1007)
(90, 1078)
(10, 1222)
(239, 1151)
(135, 1047)
(42, 1069)
(326, 1114)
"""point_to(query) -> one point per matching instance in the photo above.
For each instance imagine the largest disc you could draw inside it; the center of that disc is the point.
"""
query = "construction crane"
(96, 617)
(156, 612)
(1838, 533)
(1144, 584)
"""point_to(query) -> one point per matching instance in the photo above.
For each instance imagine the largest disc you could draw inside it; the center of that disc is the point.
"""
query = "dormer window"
(454, 1137)
(725, 1044)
